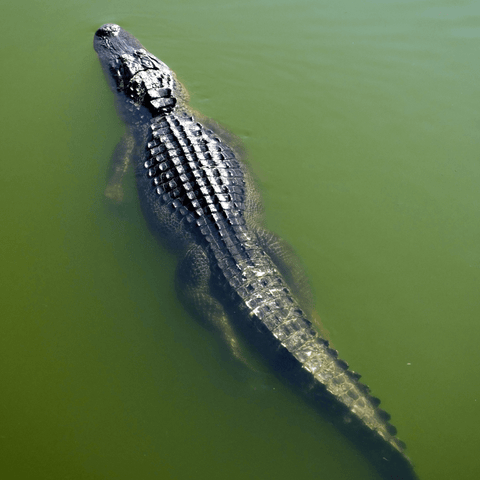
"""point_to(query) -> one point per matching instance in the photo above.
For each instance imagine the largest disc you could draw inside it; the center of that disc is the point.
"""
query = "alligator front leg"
(193, 286)
(121, 159)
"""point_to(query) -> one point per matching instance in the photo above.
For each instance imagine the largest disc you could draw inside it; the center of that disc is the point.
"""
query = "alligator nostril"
(108, 30)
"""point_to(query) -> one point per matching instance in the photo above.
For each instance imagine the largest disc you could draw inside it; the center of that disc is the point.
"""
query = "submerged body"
(198, 197)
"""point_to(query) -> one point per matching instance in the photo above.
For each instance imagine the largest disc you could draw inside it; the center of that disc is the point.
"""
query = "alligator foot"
(193, 287)
(121, 159)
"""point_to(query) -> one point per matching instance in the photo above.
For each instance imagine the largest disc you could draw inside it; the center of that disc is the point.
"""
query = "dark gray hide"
(198, 197)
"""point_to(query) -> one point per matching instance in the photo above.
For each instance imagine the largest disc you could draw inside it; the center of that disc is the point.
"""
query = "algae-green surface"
(361, 124)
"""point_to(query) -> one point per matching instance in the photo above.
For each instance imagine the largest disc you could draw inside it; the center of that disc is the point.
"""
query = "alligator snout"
(108, 30)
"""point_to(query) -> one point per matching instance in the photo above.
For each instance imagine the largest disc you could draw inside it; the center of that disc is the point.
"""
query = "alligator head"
(142, 83)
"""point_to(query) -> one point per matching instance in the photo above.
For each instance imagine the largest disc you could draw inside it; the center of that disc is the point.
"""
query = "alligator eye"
(141, 51)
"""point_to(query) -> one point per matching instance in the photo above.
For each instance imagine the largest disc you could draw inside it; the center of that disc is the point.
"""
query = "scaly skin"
(198, 197)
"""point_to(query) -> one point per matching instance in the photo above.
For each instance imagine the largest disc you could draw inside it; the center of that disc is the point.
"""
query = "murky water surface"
(361, 122)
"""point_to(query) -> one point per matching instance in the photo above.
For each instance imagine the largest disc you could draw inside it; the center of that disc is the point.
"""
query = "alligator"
(199, 199)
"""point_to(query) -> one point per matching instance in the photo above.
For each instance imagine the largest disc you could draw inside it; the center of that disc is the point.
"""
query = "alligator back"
(197, 195)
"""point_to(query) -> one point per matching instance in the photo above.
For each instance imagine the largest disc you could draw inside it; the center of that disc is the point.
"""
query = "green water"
(361, 122)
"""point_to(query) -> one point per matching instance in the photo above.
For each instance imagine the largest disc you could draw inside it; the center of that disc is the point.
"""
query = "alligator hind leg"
(291, 269)
(121, 158)
(193, 287)
(288, 263)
